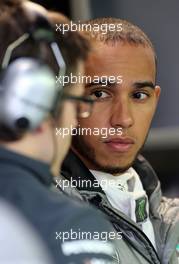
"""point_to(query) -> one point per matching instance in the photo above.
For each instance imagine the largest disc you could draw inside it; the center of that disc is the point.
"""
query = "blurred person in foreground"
(107, 167)
(20, 243)
(31, 107)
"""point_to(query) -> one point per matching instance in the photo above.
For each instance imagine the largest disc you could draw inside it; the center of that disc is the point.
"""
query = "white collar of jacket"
(74, 168)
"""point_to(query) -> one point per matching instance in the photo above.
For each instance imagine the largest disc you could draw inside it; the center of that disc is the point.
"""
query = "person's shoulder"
(81, 230)
(86, 212)
(169, 209)
(17, 181)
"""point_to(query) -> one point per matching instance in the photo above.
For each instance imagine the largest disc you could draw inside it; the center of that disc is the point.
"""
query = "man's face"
(129, 106)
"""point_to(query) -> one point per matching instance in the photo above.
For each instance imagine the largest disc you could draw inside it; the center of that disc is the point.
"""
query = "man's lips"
(119, 144)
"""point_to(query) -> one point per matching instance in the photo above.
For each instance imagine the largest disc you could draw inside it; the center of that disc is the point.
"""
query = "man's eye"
(99, 94)
(140, 95)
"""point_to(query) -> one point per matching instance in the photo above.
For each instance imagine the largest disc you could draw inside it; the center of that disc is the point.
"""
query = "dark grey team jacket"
(25, 183)
(134, 247)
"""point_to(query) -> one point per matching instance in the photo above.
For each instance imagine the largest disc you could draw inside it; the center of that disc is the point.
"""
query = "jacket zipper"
(136, 230)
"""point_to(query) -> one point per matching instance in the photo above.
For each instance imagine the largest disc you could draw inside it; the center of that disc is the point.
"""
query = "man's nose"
(121, 114)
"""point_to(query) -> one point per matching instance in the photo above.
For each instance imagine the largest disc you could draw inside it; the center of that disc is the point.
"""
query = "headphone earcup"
(28, 92)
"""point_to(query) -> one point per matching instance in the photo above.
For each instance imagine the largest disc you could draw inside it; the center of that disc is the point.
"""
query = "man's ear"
(157, 92)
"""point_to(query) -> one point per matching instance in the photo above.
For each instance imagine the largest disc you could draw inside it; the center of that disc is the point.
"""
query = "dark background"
(60, 5)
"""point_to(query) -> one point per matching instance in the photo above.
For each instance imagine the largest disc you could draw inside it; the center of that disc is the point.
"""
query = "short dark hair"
(130, 33)
(15, 20)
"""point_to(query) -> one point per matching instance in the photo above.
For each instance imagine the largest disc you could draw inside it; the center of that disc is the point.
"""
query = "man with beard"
(108, 171)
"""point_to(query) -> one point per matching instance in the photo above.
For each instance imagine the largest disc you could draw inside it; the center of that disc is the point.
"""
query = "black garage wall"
(56, 5)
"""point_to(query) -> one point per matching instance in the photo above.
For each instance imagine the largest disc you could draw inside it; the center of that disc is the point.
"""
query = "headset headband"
(40, 34)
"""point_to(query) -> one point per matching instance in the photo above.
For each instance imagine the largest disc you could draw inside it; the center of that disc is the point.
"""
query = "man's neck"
(26, 147)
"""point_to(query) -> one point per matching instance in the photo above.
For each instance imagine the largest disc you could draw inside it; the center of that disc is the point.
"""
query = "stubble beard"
(86, 152)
